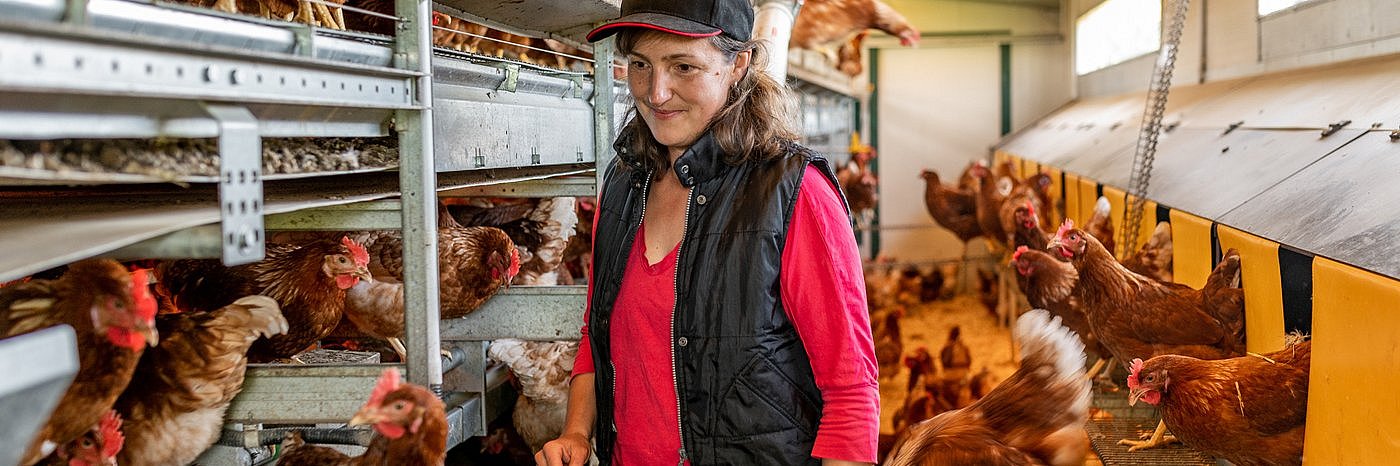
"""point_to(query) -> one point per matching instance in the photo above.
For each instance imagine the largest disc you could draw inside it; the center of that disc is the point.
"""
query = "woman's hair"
(756, 124)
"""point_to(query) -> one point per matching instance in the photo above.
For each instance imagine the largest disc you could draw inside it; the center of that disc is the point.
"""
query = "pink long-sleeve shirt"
(823, 293)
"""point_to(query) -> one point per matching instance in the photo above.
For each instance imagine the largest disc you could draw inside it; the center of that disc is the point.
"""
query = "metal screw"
(236, 76)
(209, 73)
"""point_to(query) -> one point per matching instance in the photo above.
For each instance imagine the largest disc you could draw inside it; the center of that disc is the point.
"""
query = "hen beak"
(366, 416)
(1136, 394)
(149, 331)
(363, 274)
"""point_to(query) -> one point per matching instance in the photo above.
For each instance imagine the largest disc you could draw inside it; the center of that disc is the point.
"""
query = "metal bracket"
(240, 183)
(305, 39)
(1395, 135)
(1233, 126)
(512, 78)
(577, 86)
(1334, 127)
(75, 11)
(534, 156)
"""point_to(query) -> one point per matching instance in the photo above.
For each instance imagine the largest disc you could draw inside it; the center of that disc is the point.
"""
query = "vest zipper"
(676, 289)
(646, 192)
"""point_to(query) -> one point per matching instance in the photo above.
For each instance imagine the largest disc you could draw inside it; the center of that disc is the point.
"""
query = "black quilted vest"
(745, 386)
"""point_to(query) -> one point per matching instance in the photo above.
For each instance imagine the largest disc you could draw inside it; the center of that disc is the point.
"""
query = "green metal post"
(1005, 89)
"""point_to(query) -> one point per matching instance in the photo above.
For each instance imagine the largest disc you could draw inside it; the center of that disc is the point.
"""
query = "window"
(1116, 31)
(1270, 6)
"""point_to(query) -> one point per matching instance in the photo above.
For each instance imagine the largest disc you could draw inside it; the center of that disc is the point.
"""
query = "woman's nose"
(660, 89)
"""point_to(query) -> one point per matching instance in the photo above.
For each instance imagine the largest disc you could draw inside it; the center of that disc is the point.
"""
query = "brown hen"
(96, 447)
(1250, 410)
(543, 369)
(1138, 317)
(820, 24)
(176, 402)
(410, 429)
(1036, 416)
(112, 312)
(309, 282)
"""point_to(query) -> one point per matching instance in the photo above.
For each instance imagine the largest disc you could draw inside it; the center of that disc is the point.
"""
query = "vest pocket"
(762, 399)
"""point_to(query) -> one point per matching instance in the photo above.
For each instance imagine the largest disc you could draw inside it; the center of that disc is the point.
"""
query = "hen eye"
(399, 405)
(1149, 378)
(340, 259)
(87, 443)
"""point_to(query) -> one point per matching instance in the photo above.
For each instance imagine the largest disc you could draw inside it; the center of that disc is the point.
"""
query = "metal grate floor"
(1105, 434)
(1116, 420)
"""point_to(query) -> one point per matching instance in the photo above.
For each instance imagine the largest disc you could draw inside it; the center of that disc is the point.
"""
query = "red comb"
(1133, 370)
(388, 382)
(110, 429)
(514, 263)
(145, 304)
(357, 252)
(1017, 255)
(1064, 228)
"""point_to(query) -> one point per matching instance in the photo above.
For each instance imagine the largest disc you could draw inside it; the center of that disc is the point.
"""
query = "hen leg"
(398, 347)
(1094, 370)
(304, 13)
(1158, 438)
(324, 15)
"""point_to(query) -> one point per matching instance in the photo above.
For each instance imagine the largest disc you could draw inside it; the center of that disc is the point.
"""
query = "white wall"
(939, 109)
(940, 105)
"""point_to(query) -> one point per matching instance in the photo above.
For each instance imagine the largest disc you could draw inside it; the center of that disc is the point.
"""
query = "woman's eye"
(637, 65)
(686, 68)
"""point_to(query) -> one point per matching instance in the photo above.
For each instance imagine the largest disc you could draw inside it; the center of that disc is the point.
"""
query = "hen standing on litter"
(1036, 416)
(112, 312)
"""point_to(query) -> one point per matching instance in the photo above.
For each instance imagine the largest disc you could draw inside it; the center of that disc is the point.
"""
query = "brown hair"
(757, 124)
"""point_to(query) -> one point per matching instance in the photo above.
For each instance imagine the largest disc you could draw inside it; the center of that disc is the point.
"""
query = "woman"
(727, 320)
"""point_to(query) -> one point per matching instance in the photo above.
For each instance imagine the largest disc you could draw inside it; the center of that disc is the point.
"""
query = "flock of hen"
(1183, 347)
(163, 347)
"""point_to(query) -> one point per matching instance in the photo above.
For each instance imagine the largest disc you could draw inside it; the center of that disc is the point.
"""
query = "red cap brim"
(654, 21)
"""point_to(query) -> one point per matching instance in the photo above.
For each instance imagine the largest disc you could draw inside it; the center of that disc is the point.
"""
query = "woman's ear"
(741, 64)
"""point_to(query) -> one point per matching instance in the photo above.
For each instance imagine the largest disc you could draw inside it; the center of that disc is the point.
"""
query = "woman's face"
(680, 84)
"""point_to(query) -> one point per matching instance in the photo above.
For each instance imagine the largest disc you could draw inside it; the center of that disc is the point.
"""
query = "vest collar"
(702, 161)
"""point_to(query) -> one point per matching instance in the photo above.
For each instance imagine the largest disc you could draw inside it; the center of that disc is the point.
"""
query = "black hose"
(274, 436)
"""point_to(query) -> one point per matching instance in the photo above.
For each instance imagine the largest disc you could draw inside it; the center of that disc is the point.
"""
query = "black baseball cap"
(690, 18)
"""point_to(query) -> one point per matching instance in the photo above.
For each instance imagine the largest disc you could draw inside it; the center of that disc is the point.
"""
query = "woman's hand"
(573, 447)
(567, 450)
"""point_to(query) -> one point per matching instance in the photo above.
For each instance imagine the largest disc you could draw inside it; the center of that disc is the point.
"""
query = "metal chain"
(1151, 127)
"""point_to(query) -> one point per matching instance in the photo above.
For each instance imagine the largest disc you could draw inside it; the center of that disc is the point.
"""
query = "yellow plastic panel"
(1029, 168)
(1190, 249)
(998, 157)
(1088, 195)
(1149, 223)
(1263, 294)
(1116, 215)
(1352, 411)
(1055, 182)
(1072, 198)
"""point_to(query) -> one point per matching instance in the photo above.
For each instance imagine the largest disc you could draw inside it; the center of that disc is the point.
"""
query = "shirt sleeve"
(583, 362)
(823, 293)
